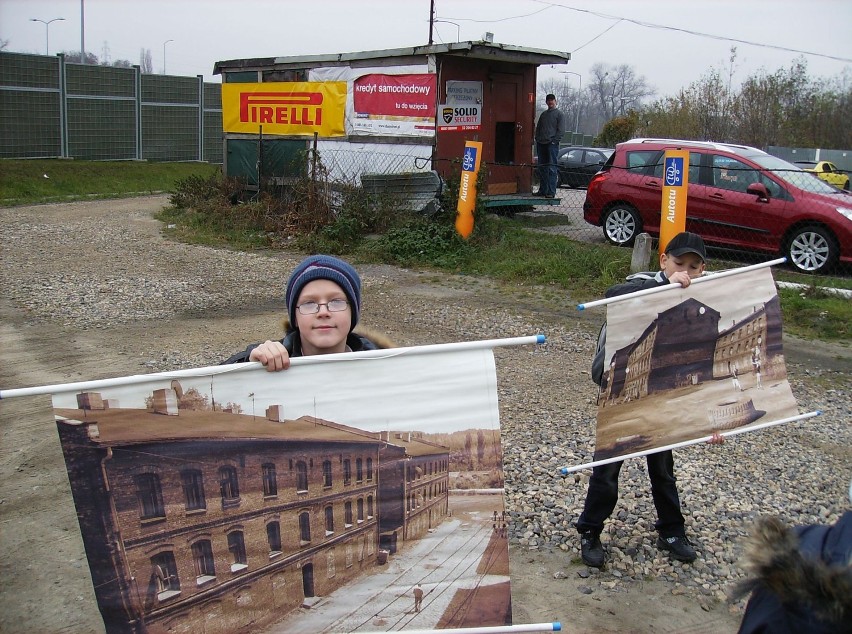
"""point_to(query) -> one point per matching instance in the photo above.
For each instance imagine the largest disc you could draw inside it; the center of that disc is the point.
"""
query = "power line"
(651, 25)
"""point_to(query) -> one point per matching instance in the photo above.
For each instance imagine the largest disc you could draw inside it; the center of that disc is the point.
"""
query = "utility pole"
(579, 96)
(164, 55)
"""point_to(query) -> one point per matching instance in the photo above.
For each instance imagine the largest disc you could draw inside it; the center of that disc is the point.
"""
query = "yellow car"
(828, 172)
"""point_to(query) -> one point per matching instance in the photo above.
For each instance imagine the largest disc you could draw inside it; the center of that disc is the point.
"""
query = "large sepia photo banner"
(367, 487)
(685, 363)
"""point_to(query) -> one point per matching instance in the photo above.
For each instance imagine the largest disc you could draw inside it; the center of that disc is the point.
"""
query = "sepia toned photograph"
(686, 363)
(224, 503)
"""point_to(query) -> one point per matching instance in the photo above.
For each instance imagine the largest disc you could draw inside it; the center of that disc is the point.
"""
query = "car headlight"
(845, 212)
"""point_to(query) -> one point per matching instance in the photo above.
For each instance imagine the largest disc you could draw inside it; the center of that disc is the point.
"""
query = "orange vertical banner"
(467, 187)
(675, 187)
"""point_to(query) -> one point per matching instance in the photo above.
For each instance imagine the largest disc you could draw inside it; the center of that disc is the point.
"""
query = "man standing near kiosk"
(548, 134)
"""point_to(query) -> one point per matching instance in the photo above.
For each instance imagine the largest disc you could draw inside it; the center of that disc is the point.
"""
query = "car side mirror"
(759, 190)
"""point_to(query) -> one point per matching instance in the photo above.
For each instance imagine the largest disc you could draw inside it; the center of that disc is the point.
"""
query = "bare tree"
(146, 64)
(3, 44)
(617, 89)
(75, 57)
(787, 107)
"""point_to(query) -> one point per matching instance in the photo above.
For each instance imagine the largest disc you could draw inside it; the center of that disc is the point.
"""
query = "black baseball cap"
(686, 242)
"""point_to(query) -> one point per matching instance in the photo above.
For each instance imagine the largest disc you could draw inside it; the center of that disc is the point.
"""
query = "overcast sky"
(203, 32)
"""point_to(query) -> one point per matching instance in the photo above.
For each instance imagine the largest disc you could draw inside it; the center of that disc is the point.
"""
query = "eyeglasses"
(333, 306)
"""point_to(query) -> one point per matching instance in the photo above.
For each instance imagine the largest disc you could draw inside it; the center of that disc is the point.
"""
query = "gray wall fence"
(50, 108)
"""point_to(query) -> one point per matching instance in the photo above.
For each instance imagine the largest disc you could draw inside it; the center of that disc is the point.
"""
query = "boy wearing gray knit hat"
(324, 267)
(323, 298)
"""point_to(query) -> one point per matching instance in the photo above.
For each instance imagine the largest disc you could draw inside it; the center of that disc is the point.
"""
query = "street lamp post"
(46, 32)
(579, 95)
(458, 28)
(164, 55)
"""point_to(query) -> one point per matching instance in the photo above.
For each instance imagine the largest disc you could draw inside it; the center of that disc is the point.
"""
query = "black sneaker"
(678, 546)
(591, 549)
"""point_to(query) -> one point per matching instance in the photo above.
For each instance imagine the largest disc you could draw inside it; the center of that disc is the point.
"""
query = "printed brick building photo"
(685, 364)
(213, 520)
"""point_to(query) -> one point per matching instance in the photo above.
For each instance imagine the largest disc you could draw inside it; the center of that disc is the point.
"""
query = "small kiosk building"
(407, 111)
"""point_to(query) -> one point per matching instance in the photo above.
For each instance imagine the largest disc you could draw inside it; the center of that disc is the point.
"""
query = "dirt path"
(44, 580)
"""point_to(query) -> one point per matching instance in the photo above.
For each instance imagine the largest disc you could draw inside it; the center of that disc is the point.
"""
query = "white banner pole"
(687, 443)
(671, 287)
(385, 353)
(497, 629)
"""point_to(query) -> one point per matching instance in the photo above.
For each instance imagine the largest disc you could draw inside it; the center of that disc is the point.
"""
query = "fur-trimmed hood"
(808, 569)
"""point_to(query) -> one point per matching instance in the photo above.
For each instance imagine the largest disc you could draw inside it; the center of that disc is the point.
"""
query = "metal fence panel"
(101, 129)
(100, 81)
(169, 133)
(29, 124)
(29, 71)
(50, 108)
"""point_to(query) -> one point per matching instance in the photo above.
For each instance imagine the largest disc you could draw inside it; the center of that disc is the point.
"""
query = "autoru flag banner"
(467, 187)
(367, 487)
(685, 363)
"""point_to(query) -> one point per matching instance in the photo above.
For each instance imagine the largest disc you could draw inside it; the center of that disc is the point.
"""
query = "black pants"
(603, 495)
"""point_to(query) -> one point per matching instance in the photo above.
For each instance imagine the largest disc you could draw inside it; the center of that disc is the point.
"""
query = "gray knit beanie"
(324, 267)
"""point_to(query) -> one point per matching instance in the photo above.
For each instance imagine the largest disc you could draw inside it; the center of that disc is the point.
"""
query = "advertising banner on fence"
(394, 104)
(285, 108)
(372, 481)
(685, 363)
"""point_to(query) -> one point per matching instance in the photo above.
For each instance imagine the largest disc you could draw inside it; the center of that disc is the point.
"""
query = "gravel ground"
(101, 271)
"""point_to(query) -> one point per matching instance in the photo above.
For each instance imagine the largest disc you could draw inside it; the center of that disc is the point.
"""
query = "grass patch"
(56, 180)
(811, 313)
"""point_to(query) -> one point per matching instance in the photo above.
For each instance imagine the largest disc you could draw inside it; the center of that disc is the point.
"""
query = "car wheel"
(846, 186)
(621, 225)
(812, 249)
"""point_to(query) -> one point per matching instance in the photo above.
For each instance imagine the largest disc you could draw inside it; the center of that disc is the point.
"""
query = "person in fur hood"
(323, 300)
(801, 578)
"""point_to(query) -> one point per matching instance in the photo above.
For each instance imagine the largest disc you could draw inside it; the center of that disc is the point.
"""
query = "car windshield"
(794, 175)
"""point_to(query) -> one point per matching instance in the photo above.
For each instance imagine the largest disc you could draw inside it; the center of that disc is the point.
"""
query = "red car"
(738, 197)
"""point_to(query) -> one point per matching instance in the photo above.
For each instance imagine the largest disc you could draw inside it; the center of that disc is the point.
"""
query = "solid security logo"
(447, 115)
(674, 171)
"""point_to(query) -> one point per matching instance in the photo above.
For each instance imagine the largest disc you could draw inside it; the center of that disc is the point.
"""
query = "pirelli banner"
(285, 108)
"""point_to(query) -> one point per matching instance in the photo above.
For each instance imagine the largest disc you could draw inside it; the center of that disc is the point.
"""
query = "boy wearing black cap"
(683, 260)
(323, 300)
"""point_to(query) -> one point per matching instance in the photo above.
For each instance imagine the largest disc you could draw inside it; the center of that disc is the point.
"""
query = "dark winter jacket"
(801, 578)
(292, 341)
(637, 282)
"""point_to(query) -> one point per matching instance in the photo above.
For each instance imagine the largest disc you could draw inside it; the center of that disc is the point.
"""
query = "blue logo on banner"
(469, 160)
(674, 171)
